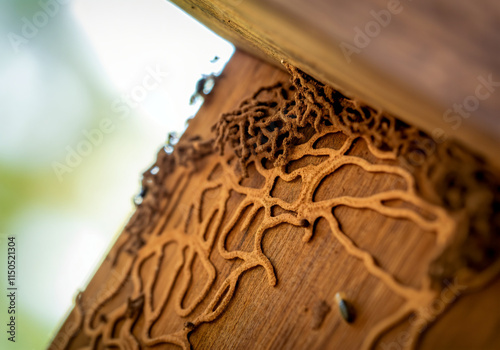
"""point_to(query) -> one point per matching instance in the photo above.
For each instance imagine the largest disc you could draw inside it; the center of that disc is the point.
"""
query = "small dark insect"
(346, 309)
(140, 197)
(215, 59)
(203, 87)
(171, 141)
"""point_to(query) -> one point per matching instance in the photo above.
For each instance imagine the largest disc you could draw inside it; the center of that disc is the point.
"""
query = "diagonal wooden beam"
(418, 60)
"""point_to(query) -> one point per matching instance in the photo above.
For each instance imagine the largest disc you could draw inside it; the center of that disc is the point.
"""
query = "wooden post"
(300, 219)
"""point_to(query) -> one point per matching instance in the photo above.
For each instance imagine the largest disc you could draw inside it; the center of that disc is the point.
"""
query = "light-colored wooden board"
(427, 58)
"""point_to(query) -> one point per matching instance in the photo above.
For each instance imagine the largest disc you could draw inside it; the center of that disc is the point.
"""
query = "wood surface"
(341, 210)
(427, 58)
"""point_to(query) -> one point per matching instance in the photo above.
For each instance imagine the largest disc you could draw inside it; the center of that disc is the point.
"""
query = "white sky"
(130, 35)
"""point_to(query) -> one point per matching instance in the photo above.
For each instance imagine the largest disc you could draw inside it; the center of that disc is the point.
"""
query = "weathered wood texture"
(416, 64)
(214, 259)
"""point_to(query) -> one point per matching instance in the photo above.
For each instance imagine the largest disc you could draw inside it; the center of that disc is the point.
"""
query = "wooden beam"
(414, 59)
(216, 259)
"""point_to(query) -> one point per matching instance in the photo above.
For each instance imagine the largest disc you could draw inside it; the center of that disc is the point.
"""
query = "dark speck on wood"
(319, 312)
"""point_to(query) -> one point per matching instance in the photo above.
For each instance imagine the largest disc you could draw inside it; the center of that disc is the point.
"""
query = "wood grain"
(426, 59)
(379, 254)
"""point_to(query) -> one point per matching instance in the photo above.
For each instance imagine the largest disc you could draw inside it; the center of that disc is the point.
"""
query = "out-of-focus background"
(89, 90)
